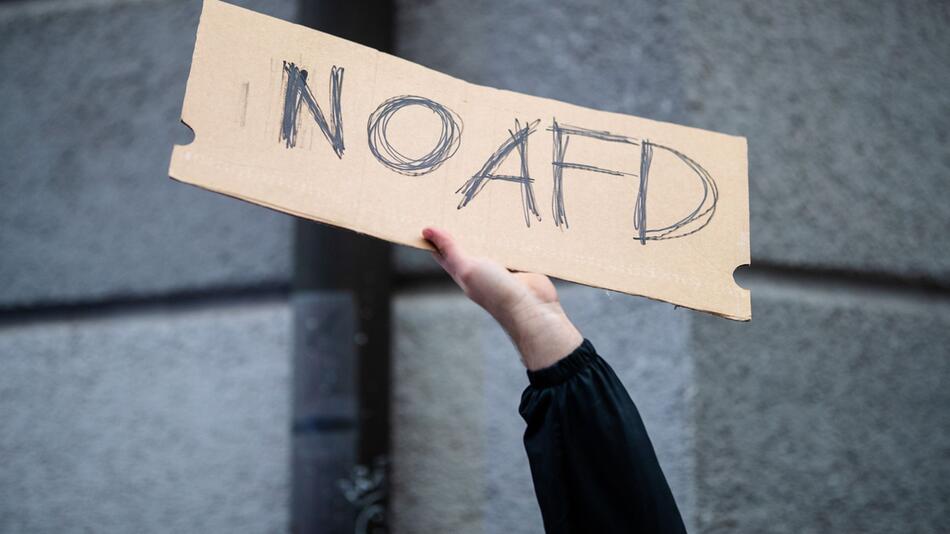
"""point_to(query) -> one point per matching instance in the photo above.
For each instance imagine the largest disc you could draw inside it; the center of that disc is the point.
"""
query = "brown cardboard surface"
(603, 199)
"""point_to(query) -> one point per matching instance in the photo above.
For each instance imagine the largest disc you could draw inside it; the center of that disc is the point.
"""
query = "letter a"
(518, 139)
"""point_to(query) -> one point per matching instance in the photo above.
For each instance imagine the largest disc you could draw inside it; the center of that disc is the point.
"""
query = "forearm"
(543, 334)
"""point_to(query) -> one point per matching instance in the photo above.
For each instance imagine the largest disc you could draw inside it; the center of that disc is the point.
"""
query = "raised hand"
(525, 304)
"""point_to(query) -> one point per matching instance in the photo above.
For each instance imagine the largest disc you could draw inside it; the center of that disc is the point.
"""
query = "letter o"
(391, 157)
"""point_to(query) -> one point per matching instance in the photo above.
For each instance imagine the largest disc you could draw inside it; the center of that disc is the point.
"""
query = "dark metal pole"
(341, 352)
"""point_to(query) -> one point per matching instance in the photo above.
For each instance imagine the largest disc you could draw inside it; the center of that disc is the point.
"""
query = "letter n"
(297, 93)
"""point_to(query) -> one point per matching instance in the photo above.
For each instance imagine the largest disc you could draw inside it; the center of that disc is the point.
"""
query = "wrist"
(543, 335)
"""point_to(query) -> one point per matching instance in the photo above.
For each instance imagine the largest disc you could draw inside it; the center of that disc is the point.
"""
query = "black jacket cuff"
(565, 368)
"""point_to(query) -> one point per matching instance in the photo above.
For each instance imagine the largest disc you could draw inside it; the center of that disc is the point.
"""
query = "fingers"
(448, 253)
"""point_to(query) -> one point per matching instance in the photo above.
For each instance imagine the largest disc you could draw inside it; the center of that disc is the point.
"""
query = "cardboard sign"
(322, 128)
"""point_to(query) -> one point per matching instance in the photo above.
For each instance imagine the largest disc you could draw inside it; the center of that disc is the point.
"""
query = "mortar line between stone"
(120, 306)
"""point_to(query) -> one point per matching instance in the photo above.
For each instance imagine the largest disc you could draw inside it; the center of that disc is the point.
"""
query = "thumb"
(447, 251)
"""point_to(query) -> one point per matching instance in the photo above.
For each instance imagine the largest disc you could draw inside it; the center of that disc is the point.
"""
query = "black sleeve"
(592, 462)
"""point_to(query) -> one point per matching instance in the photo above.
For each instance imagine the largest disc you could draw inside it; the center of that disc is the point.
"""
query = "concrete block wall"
(145, 325)
(826, 413)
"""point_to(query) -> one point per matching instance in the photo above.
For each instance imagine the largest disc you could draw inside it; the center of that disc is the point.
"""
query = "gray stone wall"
(145, 329)
(842, 103)
(145, 326)
(92, 94)
(147, 421)
(826, 413)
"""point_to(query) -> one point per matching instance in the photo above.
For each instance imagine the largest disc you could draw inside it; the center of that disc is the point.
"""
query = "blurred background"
(176, 361)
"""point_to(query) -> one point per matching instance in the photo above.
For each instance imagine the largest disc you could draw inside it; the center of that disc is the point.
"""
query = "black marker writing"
(389, 156)
(296, 93)
(699, 215)
(693, 222)
(640, 208)
(517, 139)
(562, 135)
